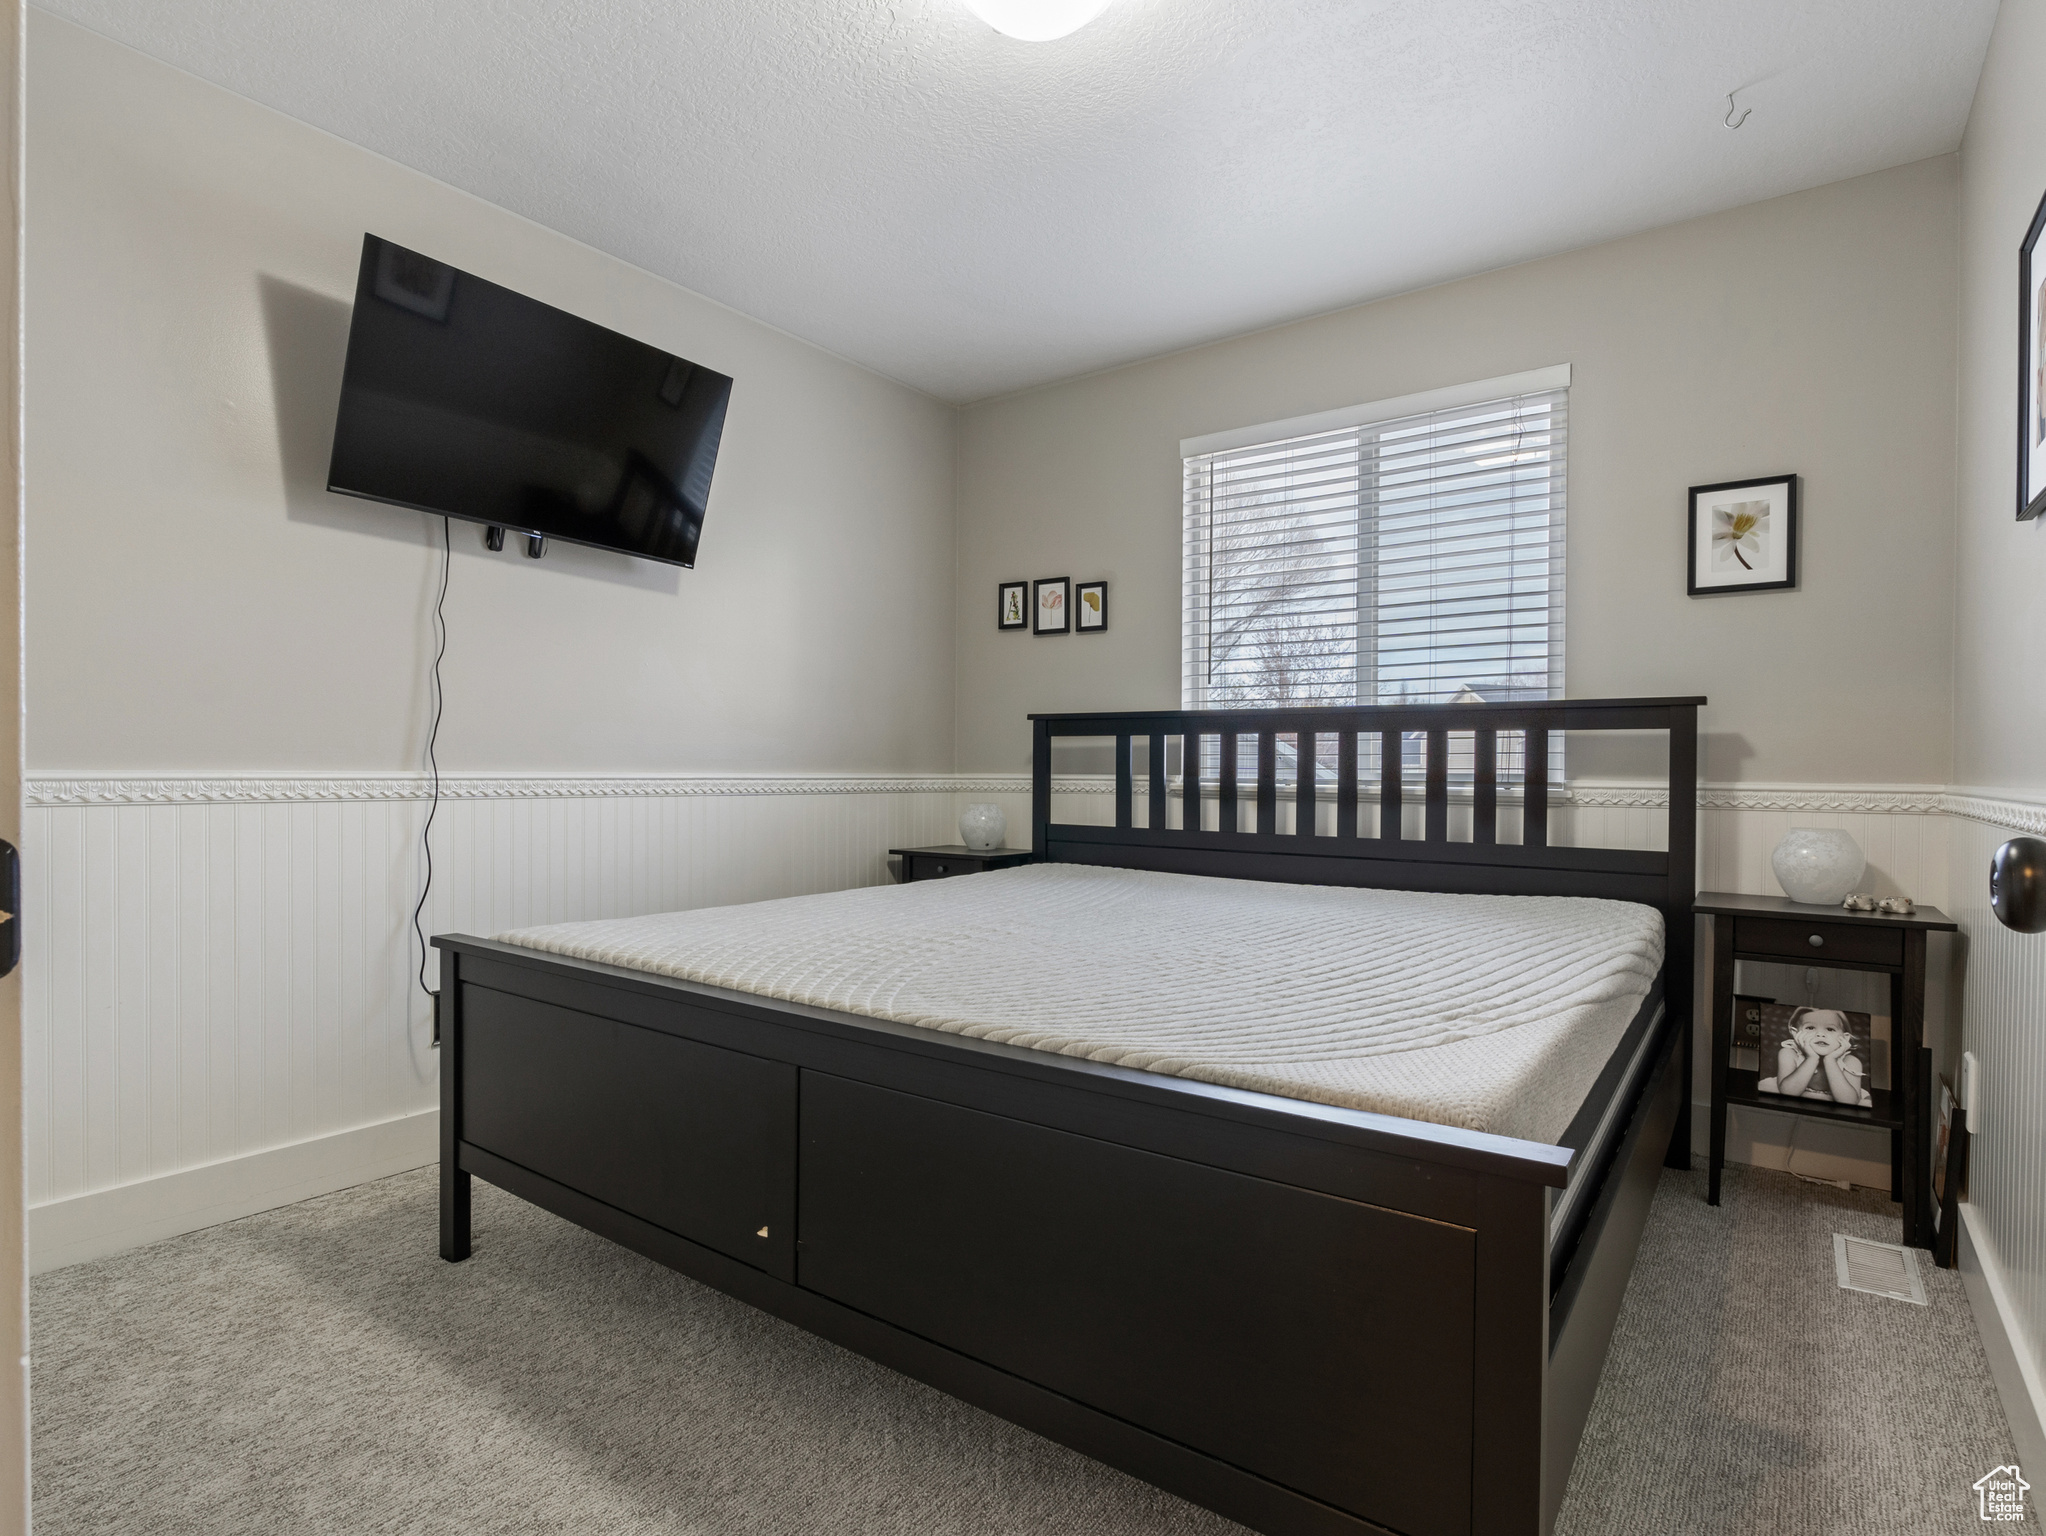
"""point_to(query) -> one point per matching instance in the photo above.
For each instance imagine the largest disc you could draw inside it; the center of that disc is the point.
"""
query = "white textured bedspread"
(1495, 1013)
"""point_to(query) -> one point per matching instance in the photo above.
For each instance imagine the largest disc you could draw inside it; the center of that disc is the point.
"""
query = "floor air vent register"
(1881, 1269)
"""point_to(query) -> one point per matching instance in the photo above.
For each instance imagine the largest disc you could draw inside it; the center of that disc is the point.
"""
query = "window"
(1404, 553)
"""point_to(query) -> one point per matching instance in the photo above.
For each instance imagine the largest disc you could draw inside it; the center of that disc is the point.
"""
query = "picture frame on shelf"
(2031, 374)
(1816, 1053)
(1012, 605)
(1090, 607)
(1942, 1146)
(1053, 608)
(1743, 536)
(1750, 1024)
(1949, 1175)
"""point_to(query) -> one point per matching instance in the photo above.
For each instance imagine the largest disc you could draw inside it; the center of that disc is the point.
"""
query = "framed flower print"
(1054, 609)
(1744, 536)
(1012, 599)
(1090, 607)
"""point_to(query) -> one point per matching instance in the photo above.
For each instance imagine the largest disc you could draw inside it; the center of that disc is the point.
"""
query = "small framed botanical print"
(1090, 607)
(1012, 605)
(1744, 536)
(1054, 610)
(2032, 373)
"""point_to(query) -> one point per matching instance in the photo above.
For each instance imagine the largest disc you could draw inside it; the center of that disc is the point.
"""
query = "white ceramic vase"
(982, 827)
(1818, 865)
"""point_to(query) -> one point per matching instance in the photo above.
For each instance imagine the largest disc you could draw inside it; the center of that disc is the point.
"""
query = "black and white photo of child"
(1822, 1056)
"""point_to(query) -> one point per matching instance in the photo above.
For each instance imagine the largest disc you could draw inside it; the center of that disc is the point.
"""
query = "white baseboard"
(2010, 1363)
(127, 1216)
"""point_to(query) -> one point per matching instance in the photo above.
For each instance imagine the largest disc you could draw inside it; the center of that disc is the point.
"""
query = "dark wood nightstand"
(943, 863)
(1784, 932)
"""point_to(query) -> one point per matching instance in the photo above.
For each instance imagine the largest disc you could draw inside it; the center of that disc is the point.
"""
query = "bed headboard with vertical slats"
(1412, 744)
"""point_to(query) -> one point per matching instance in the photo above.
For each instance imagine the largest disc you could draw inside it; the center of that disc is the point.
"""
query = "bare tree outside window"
(1417, 560)
(1285, 629)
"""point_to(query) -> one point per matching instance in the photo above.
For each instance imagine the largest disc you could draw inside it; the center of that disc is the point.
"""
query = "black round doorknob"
(2017, 885)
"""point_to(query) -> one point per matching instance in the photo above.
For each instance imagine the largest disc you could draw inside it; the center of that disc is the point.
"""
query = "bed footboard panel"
(694, 1138)
(1319, 1342)
(1311, 1326)
(1256, 1502)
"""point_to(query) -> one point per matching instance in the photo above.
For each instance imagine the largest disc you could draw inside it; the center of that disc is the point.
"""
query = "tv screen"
(465, 398)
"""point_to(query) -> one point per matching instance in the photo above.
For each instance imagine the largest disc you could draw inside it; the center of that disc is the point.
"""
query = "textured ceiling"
(895, 181)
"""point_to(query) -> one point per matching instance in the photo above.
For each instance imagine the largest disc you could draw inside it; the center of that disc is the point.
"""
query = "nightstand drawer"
(1818, 940)
(942, 863)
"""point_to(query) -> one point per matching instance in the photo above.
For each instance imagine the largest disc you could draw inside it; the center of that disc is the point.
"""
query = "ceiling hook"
(1731, 120)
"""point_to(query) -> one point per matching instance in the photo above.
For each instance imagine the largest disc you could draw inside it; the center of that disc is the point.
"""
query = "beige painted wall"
(201, 602)
(1813, 334)
(2000, 563)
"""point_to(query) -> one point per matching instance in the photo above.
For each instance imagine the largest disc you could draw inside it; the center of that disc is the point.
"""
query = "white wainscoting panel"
(1900, 829)
(2004, 1013)
(216, 968)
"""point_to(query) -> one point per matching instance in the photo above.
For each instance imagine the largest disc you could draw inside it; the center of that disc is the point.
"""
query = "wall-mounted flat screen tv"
(464, 398)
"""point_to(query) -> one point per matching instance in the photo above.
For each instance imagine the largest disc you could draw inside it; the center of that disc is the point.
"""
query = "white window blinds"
(1415, 560)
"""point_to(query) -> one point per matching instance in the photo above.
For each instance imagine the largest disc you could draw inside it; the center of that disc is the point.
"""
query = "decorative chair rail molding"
(1827, 799)
(61, 789)
(68, 789)
(1998, 810)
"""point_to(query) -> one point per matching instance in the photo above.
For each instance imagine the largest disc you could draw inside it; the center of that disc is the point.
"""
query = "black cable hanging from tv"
(440, 625)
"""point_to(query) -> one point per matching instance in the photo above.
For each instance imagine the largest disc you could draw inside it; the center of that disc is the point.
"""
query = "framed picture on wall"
(1743, 536)
(2031, 374)
(1090, 607)
(1054, 605)
(1012, 605)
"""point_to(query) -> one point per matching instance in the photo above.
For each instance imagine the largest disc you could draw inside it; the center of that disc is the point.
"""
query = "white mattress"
(1495, 1013)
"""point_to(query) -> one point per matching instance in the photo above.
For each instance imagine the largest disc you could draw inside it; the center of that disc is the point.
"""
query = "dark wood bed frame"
(1311, 1319)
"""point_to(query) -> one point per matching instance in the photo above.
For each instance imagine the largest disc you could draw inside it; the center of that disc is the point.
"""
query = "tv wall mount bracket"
(536, 544)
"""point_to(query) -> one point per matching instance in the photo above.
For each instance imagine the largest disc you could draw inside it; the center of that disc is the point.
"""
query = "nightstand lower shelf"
(1887, 1113)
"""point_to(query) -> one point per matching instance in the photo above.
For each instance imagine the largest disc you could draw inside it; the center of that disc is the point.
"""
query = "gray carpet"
(1746, 1392)
(317, 1369)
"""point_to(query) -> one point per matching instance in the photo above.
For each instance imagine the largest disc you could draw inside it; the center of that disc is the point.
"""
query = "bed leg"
(454, 1213)
(454, 1182)
(1679, 1153)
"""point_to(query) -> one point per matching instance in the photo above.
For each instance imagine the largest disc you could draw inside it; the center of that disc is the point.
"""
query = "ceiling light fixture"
(1037, 21)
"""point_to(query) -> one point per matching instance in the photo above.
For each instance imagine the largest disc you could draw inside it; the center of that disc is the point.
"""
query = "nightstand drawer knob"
(1817, 941)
